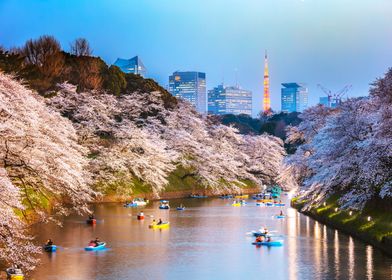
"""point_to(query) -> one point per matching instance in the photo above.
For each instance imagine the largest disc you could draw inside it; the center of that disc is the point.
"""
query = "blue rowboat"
(274, 243)
(280, 204)
(50, 248)
(101, 246)
(197, 196)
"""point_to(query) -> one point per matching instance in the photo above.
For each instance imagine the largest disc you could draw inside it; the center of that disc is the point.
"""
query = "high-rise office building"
(133, 65)
(294, 97)
(190, 86)
(229, 100)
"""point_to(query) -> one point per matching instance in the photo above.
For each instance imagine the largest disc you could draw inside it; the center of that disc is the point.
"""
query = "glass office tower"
(294, 97)
(133, 65)
(229, 100)
(190, 86)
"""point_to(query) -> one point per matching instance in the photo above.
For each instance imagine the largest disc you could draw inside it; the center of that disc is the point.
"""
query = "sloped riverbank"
(373, 225)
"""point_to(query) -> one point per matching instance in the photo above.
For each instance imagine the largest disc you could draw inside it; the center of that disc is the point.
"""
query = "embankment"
(181, 183)
(372, 225)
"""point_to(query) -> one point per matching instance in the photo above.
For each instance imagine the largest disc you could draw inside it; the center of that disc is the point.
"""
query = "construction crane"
(336, 97)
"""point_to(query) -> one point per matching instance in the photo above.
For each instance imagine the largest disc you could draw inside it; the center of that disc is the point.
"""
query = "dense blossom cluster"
(41, 165)
(347, 150)
(133, 135)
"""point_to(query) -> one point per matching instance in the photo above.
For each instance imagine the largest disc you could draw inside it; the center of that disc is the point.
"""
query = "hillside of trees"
(43, 65)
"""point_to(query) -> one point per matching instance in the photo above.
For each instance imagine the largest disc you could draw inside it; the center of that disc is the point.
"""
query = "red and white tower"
(266, 98)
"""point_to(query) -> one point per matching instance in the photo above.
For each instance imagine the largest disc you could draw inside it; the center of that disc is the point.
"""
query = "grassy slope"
(179, 180)
(377, 230)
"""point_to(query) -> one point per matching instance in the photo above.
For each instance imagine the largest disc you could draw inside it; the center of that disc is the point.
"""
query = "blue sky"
(332, 42)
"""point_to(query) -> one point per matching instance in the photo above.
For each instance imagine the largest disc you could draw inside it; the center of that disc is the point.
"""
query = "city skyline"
(299, 35)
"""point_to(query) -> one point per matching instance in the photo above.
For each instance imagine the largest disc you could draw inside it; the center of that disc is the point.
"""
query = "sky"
(328, 42)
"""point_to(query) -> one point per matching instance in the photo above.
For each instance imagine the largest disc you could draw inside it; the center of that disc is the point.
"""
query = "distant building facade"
(133, 65)
(294, 97)
(229, 100)
(190, 86)
(329, 102)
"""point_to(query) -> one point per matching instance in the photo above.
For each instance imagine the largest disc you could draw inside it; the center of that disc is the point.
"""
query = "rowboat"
(245, 196)
(100, 246)
(159, 226)
(274, 243)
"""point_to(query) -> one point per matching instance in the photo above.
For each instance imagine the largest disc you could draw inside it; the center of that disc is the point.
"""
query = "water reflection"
(206, 241)
(317, 249)
(336, 254)
(369, 262)
(351, 258)
(307, 226)
(292, 227)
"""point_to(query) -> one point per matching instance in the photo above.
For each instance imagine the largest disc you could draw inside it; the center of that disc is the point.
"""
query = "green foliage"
(10, 62)
(114, 80)
(244, 123)
(378, 227)
(136, 83)
(33, 202)
(181, 179)
(275, 125)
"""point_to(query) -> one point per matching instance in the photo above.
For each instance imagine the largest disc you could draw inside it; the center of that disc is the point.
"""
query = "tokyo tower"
(266, 98)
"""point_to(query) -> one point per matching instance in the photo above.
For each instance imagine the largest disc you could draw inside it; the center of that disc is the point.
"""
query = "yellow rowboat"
(265, 200)
(245, 196)
(236, 204)
(156, 226)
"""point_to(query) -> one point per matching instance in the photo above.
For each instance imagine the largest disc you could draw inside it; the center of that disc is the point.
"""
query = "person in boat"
(14, 270)
(281, 213)
(265, 230)
(49, 242)
(153, 222)
(259, 239)
(91, 217)
(269, 239)
(160, 222)
(97, 241)
(141, 214)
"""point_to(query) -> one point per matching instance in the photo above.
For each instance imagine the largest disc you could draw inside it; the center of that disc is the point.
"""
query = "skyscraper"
(190, 86)
(294, 97)
(133, 65)
(229, 100)
(266, 98)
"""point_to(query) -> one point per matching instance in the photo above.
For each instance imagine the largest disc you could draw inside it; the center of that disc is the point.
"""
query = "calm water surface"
(206, 241)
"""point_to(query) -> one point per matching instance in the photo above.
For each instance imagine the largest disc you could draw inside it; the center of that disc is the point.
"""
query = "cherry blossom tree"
(114, 130)
(42, 168)
(346, 150)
